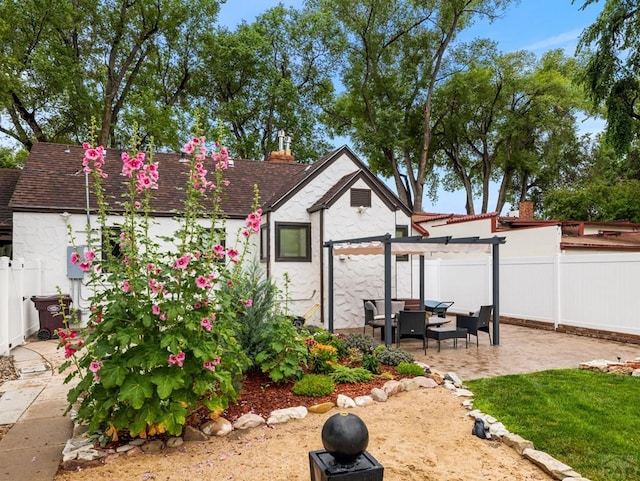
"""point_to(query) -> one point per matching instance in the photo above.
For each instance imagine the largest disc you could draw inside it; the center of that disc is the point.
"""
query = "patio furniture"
(412, 324)
(374, 315)
(371, 316)
(475, 323)
(438, 308)
(442, 333)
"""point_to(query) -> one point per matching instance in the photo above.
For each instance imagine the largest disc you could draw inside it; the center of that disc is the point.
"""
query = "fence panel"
(18, 317)
(601, 292)
(527, 288)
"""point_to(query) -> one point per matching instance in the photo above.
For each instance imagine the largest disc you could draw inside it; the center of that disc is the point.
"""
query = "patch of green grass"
(588, 420)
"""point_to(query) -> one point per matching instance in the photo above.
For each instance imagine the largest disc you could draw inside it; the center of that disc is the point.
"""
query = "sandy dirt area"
(421, 435)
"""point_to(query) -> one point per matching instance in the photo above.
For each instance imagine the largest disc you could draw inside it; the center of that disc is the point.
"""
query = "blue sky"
(533, 25)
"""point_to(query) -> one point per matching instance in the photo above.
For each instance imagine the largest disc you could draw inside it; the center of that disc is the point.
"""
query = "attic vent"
(360, 198)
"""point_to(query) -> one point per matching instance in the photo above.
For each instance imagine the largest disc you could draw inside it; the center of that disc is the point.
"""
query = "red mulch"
(260, 395)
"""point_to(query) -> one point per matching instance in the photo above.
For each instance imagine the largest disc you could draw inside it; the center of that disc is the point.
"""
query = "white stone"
(549, 464)
(345, 401)
(218, 427)
(124, 448)
(498, 429)
(392, 387)
(89, 455)
(249, 420)
(449, 385)
(379, 395)
(463, 393)
(287, 414)
(363, 401)
(425, 382)
(453, 377)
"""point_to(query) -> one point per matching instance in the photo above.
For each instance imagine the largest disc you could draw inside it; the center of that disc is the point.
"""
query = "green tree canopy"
(394, 55)
(509, 119)
(610, 48)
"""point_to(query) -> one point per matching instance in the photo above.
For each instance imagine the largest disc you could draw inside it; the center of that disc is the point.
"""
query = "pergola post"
(421, 281)
(388, 328)
(330, 286)
(496, 293)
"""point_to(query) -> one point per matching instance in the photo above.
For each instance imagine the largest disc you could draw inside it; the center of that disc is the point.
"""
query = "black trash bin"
(51, 316)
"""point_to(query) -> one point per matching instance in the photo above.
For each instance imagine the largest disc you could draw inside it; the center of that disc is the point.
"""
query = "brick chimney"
(283, 154)
(281, 157)
(525, 210)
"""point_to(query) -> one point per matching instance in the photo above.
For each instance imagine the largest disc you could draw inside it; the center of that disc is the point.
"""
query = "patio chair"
(476, 322)
(371, 317)
(412, 324)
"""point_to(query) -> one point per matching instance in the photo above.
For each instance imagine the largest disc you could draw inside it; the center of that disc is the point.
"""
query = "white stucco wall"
(45, 237)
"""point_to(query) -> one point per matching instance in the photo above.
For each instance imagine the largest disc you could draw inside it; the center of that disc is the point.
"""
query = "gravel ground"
(7, 373)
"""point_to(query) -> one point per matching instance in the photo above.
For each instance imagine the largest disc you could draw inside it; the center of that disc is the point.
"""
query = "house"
(304, 205)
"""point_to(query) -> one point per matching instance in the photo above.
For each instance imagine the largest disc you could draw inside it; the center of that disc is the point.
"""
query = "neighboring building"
(527, 236)
(303, 205)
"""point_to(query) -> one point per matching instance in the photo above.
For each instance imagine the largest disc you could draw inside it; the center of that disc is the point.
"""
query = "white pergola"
(416, 245)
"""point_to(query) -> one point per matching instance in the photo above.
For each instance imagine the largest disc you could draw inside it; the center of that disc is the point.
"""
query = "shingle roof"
(8, 180)
(52, 180)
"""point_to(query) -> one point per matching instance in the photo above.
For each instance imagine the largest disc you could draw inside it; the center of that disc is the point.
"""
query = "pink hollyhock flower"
(85, 266)
(188, 148)
(206, 323)
(75, 257)
(182, 262)
(248, 302)
(233, 254)
(177, 359)
(89, 255)
(209, 365)
(126, 287)
(92, 154)
(218, 250)
(94, 366)
(137, 204)
(155, 309)
(202, 282)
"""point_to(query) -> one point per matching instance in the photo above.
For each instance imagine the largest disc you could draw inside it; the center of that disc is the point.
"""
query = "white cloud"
(566, 40)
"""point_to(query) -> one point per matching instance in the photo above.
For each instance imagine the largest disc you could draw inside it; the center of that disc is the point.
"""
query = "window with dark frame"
(264, 243)
(360, 198)
(293, 242)
(402, 231)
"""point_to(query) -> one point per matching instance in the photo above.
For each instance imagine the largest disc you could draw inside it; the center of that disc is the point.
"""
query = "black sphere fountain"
(344, 458)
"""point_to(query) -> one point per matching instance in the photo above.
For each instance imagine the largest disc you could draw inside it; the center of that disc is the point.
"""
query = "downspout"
(321, 266)
(268, 245)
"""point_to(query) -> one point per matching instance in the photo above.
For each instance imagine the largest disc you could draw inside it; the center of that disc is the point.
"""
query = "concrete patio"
(521, 350)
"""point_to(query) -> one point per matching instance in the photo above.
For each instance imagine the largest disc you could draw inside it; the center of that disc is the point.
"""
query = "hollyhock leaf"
(167, 381)
(135, 390)
(112, 374)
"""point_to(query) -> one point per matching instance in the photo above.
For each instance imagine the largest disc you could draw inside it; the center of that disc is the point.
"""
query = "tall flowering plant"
(160, 338)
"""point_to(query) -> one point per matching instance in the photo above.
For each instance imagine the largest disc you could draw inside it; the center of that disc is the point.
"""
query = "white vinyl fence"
(19, 280)
(595, 291)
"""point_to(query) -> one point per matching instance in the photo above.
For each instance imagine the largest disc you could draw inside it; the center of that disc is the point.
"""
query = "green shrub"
(283, 352)
(409, 369)
(314, 385)
(344, 374)
(392, 356)
(363, 342)
(371, 363)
